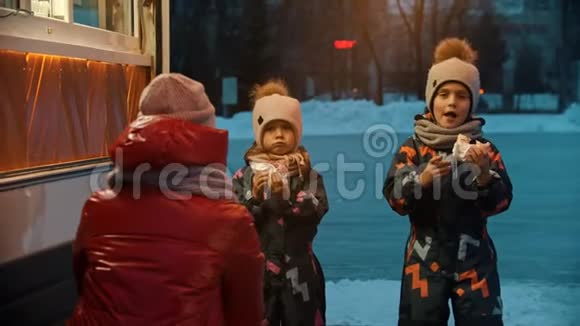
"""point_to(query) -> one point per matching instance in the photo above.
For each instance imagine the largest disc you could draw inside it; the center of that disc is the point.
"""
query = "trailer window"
(112, 15)
(59, 109)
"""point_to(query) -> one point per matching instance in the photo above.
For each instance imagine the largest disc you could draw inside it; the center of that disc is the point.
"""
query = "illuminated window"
(61, 109)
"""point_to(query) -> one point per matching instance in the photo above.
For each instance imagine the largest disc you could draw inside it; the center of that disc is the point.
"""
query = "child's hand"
(436, 167)
(259, 182)
(277, 184)
(479, 155)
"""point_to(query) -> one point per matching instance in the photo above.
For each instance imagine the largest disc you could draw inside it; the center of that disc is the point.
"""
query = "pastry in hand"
(461, 147)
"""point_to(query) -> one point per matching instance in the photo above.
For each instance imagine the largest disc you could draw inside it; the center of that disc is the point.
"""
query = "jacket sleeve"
(243, 277)
(242, 181)
(311, 203)
(402, 189)
(496, 196)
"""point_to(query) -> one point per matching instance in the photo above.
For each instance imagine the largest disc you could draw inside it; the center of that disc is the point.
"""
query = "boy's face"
(278, 137)
(451, 105)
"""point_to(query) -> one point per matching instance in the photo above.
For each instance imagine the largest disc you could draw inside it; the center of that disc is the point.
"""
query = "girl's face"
(278, 137)
(451, 105)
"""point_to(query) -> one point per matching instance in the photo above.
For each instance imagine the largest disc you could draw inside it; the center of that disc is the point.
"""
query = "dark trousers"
(298, 303)
(426, 291)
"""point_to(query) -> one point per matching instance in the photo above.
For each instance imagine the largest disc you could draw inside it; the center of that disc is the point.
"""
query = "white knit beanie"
(177, 96)
(453, 63)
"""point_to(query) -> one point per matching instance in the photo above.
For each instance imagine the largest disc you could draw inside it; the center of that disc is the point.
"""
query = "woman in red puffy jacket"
(167, 244)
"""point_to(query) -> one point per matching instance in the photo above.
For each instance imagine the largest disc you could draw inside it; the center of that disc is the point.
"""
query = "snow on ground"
(356, 116)
(376, 302)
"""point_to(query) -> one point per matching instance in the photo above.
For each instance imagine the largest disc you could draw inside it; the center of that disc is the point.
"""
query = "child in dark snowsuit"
(287, 199)
(449, 181)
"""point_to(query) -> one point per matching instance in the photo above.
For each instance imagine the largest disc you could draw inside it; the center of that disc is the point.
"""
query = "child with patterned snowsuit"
(449, 181)
(288, 200)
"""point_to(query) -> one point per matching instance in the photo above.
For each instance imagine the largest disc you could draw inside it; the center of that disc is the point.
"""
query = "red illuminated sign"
(344, 44)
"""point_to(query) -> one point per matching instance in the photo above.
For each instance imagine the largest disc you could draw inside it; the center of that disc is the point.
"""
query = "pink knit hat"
(177, 96)
(276, 107)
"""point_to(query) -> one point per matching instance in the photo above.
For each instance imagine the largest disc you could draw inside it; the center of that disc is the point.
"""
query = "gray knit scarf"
(210, 181)
(439, 138)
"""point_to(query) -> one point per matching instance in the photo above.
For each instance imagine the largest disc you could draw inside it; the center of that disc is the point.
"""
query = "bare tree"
(362, 18)
(414, 24)
(564, 56)
(434, 22)
(454, 14)
(414, 20)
